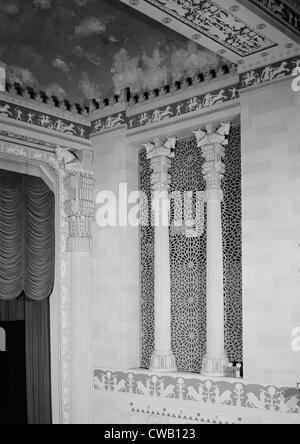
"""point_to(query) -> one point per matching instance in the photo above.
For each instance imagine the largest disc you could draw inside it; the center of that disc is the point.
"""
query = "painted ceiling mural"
(217, 23)
(84, 49)
(287, 12)
(249, 33)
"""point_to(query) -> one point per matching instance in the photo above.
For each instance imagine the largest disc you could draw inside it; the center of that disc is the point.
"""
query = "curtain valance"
(27, 237)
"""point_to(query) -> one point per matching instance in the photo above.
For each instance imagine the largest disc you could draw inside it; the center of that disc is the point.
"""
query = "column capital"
(160, 155)
(80, 210)
(212, 143)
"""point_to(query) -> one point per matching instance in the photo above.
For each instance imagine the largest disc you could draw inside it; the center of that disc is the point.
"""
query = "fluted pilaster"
(80, 210)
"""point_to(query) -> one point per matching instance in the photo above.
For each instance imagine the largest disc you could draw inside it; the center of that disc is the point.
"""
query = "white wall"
(271, 232)
(271, 255)
(115, 296)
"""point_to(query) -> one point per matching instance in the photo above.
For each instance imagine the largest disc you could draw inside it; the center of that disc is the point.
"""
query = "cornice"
(44, 108)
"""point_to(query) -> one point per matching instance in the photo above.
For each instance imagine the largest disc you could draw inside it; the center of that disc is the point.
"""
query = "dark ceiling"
(69, 47)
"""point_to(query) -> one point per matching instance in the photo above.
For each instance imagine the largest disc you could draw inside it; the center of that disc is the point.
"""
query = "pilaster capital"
(212, 136)
(212, 143)
(160, 155)
(80, 210)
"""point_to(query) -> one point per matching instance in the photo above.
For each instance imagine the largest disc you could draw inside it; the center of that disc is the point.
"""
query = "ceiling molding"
(278, 13)
(238, 30)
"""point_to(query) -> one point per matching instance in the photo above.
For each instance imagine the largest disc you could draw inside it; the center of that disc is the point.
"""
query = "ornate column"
(163, 359)
(80, 210)
(213, 145)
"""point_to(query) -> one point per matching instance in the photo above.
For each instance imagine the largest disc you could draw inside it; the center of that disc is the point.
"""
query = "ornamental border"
(261, 76)
(187, 388)
(284, 14)
(186, 21)
(41, 119)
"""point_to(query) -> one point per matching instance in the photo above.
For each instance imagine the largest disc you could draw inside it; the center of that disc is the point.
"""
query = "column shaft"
(163, 358)
(81, 371)
(80, 211)
(162, 291)
(212, 144)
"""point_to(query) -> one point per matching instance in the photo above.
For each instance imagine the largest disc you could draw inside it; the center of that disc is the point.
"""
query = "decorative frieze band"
(162, 114)
(282, 12)
(217, 23)
(186, 388)
(43, 120)
(269, 73)
(171, 112)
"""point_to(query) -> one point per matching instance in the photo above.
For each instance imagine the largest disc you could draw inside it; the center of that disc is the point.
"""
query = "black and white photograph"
(149, 215)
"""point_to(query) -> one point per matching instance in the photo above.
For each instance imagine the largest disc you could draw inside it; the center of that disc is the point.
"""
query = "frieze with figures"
(43, 120)
(281, 12)
(209, 99)
(269, 73)
(109, 123)
(217, 23)
(227, 393)
(255, 77)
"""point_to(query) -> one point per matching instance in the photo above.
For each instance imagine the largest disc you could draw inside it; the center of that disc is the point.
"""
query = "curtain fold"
(27, 237)
(38, 364)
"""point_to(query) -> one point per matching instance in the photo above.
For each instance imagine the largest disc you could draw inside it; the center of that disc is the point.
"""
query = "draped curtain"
(27, 237)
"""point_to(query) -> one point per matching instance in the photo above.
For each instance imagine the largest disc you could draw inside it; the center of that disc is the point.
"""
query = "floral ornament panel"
(43, 120)
(225, 393)
(109, 123)
(269, 73)
(217, 23)
(281, 12)
(194, 104)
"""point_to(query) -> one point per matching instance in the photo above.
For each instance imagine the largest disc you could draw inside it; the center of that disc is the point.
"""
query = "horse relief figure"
(45, 122)
(113, 122)
(270, 73)
(210, 99)
(159, 115)
(144, 119)
(63, 128)
(98, 126)
(193, 105)
(250, 79)
(5, 111)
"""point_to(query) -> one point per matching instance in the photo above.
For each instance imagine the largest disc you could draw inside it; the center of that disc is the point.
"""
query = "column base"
(213, 365)
(163, 362)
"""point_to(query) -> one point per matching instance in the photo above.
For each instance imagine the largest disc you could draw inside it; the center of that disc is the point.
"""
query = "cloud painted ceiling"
(87, 48)
(69, 46)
